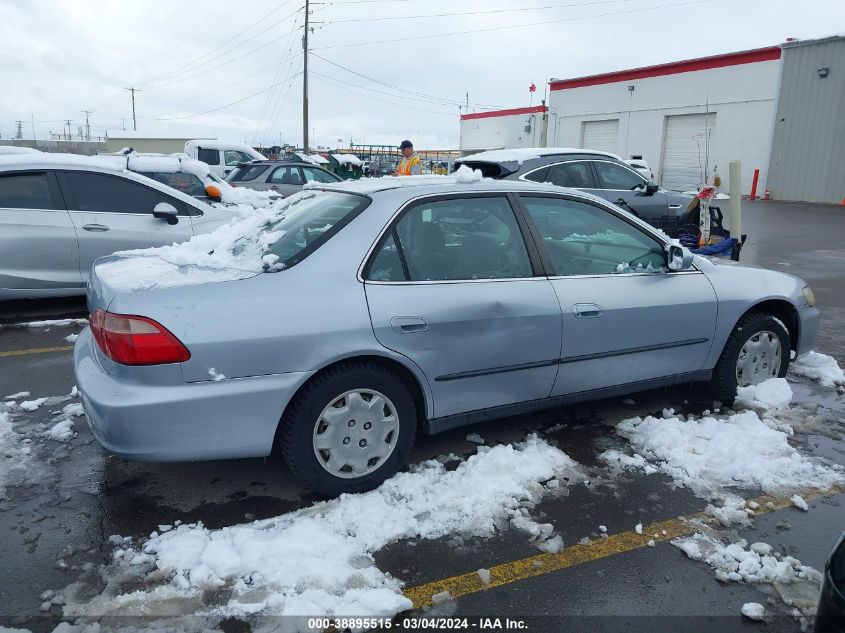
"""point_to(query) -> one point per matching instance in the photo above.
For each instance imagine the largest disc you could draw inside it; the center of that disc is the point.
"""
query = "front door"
(112, 214)
(452, 288)
(626, 319)
(37, 238)
(285, 180)
(617, 182)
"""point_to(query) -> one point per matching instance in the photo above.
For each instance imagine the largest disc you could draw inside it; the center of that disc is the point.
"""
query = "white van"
(221, 156)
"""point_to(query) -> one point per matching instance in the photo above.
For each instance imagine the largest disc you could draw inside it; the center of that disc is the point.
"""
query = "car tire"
(305, 431)
(724, 381)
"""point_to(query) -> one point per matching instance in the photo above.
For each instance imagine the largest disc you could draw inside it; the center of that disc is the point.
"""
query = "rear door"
(286, 180)
(37, 238)
(626, 319)
(111, 213)
(454, 287)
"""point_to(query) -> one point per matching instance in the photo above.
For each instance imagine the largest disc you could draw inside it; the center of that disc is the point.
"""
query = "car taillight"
(136, 340)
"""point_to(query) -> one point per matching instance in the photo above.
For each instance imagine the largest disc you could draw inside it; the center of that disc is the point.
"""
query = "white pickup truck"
(221, 156)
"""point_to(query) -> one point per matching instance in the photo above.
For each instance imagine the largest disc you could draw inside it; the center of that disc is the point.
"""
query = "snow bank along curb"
(819, 367)
(318, 561)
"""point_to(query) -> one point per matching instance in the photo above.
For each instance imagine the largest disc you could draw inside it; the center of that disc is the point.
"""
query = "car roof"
(522, 154)
(269, 161)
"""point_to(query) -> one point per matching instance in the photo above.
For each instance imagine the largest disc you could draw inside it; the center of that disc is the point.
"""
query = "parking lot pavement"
(68, 497)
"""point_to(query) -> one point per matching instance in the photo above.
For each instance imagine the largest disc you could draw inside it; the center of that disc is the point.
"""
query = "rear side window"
(247, 172)
(286, 176)
(25, 191)
(577, 175)
(103, 193)
(208, 156)
(186, 183)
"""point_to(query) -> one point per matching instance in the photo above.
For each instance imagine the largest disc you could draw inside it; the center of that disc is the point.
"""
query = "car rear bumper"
(808, 327)
(181, 422)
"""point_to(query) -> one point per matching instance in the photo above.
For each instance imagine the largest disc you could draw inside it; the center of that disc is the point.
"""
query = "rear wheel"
(758, 349)
(349, 429)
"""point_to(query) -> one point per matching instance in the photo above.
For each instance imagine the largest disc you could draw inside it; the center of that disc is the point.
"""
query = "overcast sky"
(190, 57)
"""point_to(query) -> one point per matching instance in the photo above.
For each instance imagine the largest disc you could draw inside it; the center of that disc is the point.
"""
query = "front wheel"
(349, 429)
(757, 349)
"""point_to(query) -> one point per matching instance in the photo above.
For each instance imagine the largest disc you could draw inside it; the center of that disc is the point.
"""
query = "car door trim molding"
(496, 370)
(632, 350)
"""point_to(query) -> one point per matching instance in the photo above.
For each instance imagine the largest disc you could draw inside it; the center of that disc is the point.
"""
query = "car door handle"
(675, 206)
(587, 310)
(95, 228)
(408, 324)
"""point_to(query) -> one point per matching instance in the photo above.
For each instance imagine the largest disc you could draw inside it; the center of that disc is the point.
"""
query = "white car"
(60, 212)
(641, 166)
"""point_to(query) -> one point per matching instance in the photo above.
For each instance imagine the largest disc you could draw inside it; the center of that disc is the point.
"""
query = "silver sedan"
(366, 312)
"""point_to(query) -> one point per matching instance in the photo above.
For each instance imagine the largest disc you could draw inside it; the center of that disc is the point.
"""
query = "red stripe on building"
(511, 112)
(690, 65)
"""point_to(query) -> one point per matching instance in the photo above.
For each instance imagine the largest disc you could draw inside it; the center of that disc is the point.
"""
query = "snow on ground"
(19, 394)
(773, 393)
(753, 610)
(14, 452)
(318, 560)
(32, 405)
(737, 562)
(71, 338)
(47, 324)
(62, 429)
(714, 456)
(820, 367)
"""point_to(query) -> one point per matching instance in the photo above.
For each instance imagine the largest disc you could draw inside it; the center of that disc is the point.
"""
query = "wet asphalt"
(54, 529)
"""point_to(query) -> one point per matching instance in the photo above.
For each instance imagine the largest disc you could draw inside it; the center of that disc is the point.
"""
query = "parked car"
(392, 305)
(60, 212)
(600, 173)
(221, 156)
(283, 177)
(178, 171)
(642, 167)
(830, 616)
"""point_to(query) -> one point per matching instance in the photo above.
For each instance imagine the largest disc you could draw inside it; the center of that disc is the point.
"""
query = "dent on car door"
(618, 181)
(625, 317)
(37, 238)
(112, 213)
(453, 288)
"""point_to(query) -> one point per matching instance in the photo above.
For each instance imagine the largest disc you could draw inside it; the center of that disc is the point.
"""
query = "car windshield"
(186, 183)
(314, 217)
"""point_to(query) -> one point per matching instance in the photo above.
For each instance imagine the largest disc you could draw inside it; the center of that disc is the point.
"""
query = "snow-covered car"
(337, 323)
(60, 212)
(178, 171)
(642, 167)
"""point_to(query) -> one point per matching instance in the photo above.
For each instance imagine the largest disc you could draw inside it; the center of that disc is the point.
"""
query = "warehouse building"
(777, 109)
(517, 127)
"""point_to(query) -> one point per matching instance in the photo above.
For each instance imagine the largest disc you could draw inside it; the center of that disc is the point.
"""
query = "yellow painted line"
(541, 564)
(37, 350)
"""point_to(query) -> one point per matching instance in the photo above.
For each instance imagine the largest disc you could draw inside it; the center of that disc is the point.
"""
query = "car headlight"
(809, 296)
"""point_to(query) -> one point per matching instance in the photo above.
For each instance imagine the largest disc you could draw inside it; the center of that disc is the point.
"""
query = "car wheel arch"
(420, 394)
(781, 309)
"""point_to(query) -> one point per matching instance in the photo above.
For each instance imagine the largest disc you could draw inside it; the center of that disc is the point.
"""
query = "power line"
(487, 12)
(404, 106)
(512, 26)
(223, 107)
(178, 70)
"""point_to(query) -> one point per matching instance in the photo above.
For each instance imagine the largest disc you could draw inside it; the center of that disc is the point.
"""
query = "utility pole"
(133, 91)
(19, 129)
(69, 133)
(305, 80)
(87, 124)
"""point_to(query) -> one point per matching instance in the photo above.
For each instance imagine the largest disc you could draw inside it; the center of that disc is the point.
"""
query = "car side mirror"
(166, 211)
(651, 188)
(678, 258)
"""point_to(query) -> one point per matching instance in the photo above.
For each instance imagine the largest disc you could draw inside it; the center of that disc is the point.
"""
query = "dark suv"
(599, 173)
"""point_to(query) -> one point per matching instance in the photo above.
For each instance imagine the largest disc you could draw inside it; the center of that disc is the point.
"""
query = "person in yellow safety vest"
(410, 165)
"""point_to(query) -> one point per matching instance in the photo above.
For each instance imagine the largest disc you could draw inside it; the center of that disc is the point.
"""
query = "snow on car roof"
(522, 154)
(224, 144)
(48, 159)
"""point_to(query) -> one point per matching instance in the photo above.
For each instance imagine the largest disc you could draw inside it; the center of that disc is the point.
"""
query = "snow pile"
(245, 197)
(233, 251)
(753, 610)
(14, 452)
(19, 394)
(466, 175)
(773, 393)
(62, 430)
(715, 455)
(71, 338)
(738, 562)
(48, 324)
(819, 367)
(32, 405)
(318, 560)
(347, 159)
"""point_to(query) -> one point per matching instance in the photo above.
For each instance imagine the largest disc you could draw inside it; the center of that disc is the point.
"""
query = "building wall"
(808, 150)
(157, 145)
(500, 131)
(742, 96)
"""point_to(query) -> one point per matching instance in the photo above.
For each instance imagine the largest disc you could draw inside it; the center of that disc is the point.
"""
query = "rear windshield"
(314, 217)
(186, 183)
(247, 172)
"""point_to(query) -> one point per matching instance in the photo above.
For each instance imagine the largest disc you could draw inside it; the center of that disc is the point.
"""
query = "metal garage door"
(600, 135)
(684, 150)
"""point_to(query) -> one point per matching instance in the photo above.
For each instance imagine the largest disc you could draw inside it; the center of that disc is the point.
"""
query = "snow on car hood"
(236, 250)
